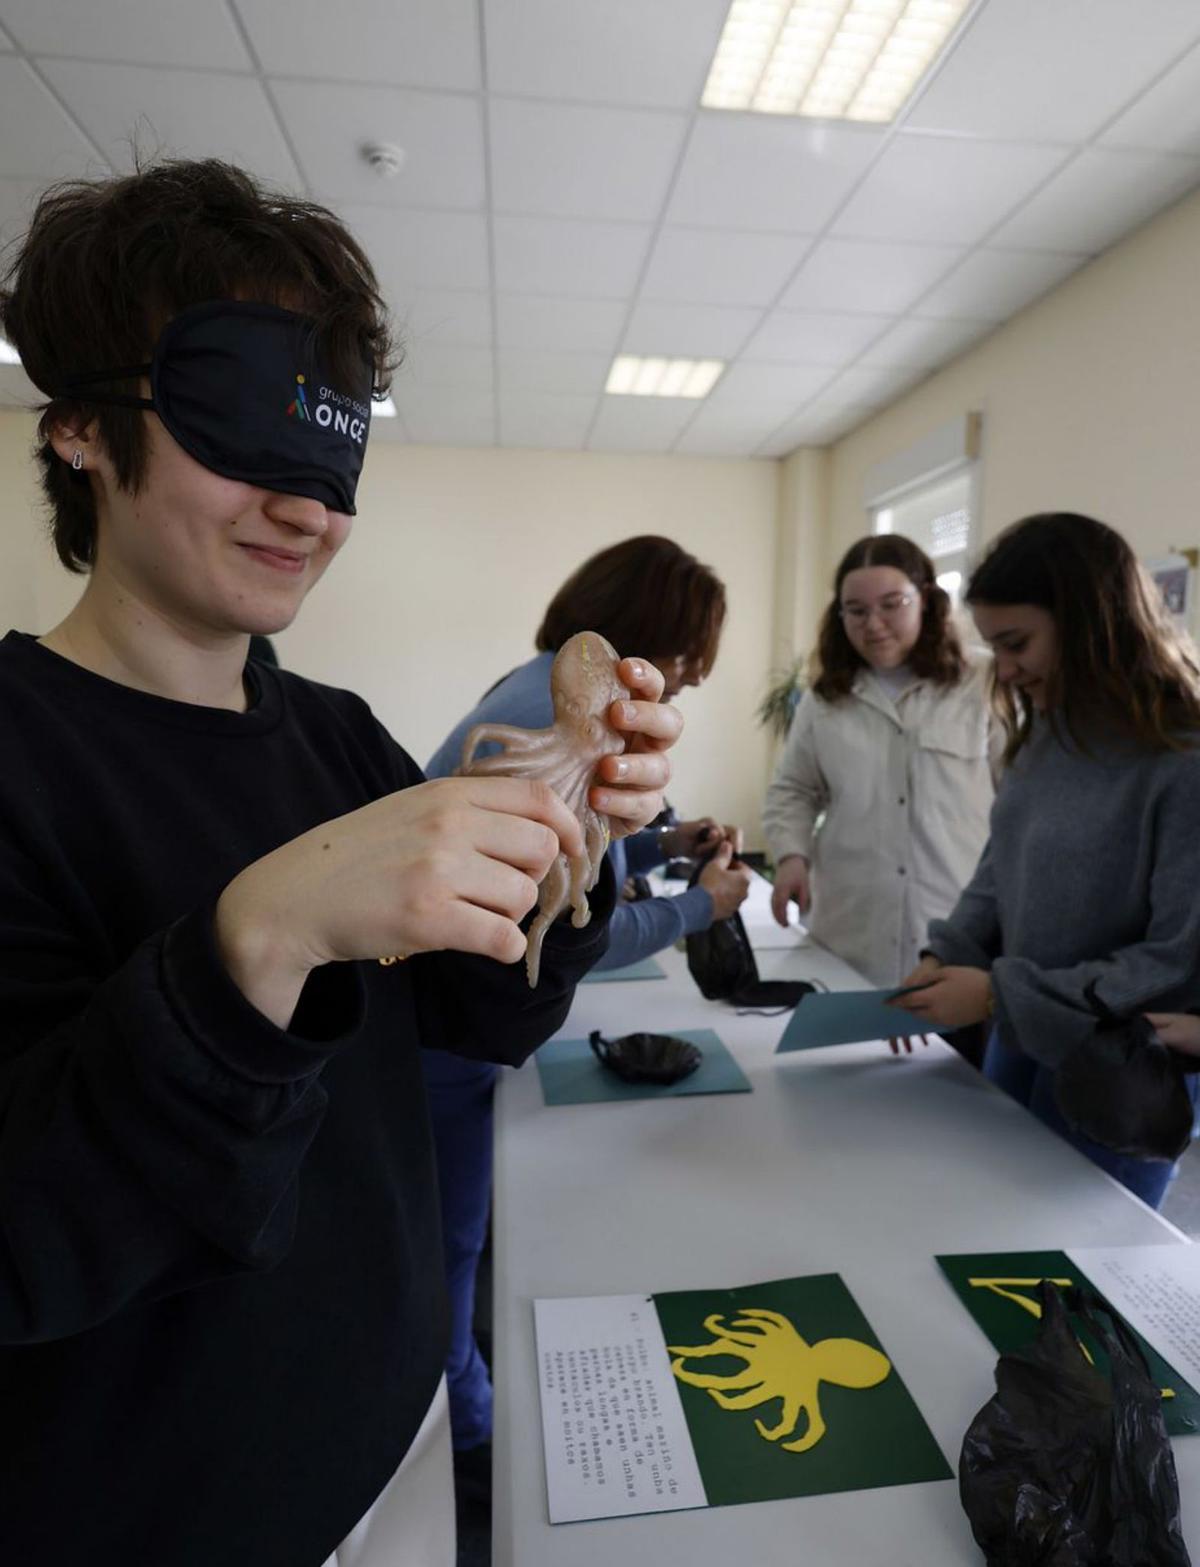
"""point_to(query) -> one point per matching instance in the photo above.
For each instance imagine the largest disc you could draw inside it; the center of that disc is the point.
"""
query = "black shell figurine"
(647, 1058)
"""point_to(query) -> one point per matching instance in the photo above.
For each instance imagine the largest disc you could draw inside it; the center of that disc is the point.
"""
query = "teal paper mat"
(571, 1075)
(648, 968)
(847, 1017)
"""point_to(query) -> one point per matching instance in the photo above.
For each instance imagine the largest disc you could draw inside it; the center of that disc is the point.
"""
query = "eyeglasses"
(889, 608)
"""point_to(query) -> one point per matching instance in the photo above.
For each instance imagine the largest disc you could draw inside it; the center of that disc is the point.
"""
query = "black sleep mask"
(243, 389)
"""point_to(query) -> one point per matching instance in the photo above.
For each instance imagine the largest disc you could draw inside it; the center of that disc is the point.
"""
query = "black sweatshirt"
(221, 1298)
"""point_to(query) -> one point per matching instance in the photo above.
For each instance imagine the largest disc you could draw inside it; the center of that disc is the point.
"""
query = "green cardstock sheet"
(847, 1017)
(571, 1075)
(648, 968)
(993, 1285)
(796, 1395)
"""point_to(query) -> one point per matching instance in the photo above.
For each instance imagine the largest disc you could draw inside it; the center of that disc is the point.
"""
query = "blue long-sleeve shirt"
(636, 929)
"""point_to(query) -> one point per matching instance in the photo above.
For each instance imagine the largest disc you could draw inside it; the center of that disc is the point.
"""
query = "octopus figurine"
(583, 685)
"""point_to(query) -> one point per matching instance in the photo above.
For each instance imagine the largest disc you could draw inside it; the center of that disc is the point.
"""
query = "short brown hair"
(1122, 665)
(107, 263)
(937, 655)
(645, 595)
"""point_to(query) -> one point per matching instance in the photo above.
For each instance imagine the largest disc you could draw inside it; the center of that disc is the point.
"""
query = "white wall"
(1089, 400)
(452, 560)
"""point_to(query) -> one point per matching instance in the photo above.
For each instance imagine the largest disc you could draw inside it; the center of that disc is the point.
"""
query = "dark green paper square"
(875, 1436)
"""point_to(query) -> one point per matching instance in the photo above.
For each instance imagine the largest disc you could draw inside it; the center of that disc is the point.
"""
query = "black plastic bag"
(721, 961)
(646, 1058)
(1068, 1467)
(1126, 1090)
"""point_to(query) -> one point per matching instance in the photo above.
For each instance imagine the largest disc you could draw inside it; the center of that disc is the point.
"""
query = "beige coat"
(889, 802)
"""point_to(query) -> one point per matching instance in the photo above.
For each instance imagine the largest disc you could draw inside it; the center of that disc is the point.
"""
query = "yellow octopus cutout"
(779, 1364)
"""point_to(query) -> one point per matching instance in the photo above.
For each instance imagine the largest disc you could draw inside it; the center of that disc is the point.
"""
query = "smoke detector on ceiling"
(384, 158)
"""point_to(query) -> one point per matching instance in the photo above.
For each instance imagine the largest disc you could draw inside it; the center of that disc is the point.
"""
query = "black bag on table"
(1066, 1466)
(721, 961)
(1126, 1090)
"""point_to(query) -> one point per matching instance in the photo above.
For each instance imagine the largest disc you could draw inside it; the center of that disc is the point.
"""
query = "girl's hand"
(949, 997)
(792, 885)
(453, 863)
(629, 788)
(1180, 1030)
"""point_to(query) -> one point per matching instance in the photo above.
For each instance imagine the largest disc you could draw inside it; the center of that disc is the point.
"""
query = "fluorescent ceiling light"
(385, 408)
(631, 376)
(836, 59)
(8, 354)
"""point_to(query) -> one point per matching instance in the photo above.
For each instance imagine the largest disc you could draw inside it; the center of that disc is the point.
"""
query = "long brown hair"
(1121, 663)
(105, 265)
(937, 654)
(647, 596)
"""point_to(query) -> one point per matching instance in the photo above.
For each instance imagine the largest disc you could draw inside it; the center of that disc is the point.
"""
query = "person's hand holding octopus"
(629, 788)
(604, 756)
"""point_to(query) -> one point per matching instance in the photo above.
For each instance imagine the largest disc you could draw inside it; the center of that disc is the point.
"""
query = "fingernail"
(600, 800)
(628, 712)
(622, 768)
(639, 669)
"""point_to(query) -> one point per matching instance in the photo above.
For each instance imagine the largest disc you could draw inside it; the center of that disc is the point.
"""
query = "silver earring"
(77, 460)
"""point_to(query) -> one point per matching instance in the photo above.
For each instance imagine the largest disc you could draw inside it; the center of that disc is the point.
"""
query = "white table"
(844, 1160)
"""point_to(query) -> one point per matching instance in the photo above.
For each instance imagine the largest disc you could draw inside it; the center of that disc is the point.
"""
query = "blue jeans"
(1032, 1085)
(460, 1108)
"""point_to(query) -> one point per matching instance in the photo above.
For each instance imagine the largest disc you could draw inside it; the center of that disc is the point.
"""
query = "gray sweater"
(1091, 877)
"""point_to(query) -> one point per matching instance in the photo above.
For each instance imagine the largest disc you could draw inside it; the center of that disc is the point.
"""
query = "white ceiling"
(564, 199)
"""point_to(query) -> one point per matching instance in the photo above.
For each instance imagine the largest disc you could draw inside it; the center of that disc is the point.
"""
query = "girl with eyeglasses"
(878, 811)
(1084, 902)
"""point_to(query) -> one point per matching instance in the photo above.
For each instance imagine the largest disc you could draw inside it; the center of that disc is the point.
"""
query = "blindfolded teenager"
(1085, 899)
(221, 1298)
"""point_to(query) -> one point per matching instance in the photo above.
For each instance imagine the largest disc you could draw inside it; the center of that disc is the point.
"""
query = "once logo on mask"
(334, 410)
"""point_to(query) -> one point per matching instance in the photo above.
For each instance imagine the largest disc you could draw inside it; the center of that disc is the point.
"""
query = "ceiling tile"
(806, 337)
(865, 275)
(706, 266)
(1167, 117)
(182, 113)
(730, 429)
(136, 32)
(992, 285)
(1099, 197)
(572, 161)
(783, 387)
(420, 43)
(431, 364)
(441, 135)
(1053, 72)
(441, 416)
(17, 198)
(566, 325)
(689, 331)
(814, 427)
(704, 438)
(620, 52)
(546, 420)
(561, 256)
(640, 424)
(920, 345)
(761, 171)
(445, 316)
(532, 370)
(411, 249)
(934, 189)
(862, 387)
(36, 138)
